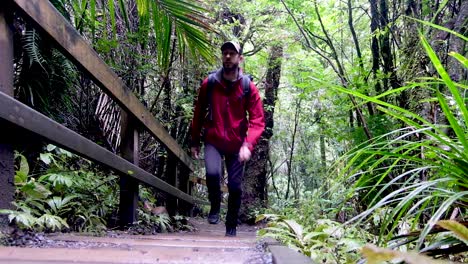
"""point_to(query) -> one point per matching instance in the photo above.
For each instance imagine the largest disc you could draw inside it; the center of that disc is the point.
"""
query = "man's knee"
(235, 188)
(213, 175)
(213, 178)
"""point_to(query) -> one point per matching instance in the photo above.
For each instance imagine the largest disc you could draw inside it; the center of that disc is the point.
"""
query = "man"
(232, 123)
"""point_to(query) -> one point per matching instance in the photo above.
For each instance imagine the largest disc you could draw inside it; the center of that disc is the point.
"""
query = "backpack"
(246, 79)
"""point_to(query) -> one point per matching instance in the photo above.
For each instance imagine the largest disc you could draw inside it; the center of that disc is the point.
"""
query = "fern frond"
(31, 41)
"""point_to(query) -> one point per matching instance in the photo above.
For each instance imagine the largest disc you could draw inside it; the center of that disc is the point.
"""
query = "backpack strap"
(246, 79)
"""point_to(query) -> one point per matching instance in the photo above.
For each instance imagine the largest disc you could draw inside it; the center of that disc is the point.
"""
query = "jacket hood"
(219, 75)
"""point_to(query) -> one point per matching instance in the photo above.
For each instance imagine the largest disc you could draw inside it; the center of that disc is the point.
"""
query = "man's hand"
(195, 152)
(244, 153)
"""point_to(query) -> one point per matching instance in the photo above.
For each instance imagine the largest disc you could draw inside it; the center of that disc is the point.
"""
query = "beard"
(230, 67)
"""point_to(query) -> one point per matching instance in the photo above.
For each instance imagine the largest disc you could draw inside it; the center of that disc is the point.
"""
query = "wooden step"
(207, 246)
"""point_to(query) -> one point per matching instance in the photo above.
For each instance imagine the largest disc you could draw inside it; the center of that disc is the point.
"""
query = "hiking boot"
(230, 231)
(213, 219)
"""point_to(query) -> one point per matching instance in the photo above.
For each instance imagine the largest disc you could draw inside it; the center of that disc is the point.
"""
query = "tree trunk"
(454, 67)
(323, 153)
(255, 178)
(292, 147)
(391, 81)
(375, 43)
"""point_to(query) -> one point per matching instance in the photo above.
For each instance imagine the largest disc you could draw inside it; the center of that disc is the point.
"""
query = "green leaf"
(32, 205)
(6, 211)
(459, 231)
(453, 89)
(452, 120)
(295, 227)
(92, 9)
(350, 244)
(143, 7)
(463, 60)
(35, 190)
(441, 28)
(123, 11)
(57, 203)
(111, 5)
(375, 255)
(311, 235)
(51, 147)
(260, 218)
(186, 19)
(24, 166)
(65, 152)
(31, 40)
(57, 179)
(23, 219)
(20, 178)
(437, 214)
(52, 222)
(46, 158)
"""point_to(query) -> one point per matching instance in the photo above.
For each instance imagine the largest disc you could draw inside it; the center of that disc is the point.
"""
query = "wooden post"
(7, 170)
(129, 149)
(185, 185)
(171, 177)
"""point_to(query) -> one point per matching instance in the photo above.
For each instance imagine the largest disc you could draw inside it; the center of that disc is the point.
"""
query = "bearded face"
(231, 60)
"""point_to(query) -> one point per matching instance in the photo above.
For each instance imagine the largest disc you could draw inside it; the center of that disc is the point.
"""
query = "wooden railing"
(71, 43)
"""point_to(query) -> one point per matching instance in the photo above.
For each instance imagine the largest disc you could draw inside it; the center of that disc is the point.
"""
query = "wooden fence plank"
(29, 119)
(52, 22)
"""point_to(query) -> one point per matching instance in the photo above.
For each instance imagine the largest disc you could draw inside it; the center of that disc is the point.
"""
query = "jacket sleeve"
(256, 118)
(199, 114)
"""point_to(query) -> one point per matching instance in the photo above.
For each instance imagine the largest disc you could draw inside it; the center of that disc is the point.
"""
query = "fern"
(31, 41)
(22, 219)
(60, 196)
(52, 222)
(163, 220)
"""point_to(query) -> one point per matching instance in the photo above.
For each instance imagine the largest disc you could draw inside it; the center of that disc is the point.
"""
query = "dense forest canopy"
(365, 110)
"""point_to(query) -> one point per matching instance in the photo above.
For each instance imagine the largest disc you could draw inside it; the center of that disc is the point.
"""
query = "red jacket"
(229, 127)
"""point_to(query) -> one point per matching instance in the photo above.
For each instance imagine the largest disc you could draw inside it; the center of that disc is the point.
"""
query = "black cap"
(233, 45)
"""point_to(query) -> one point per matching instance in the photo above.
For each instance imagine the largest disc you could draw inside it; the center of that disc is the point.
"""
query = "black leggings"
(214, 172)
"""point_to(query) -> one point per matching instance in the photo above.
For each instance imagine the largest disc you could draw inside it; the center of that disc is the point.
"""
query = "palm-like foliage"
(167, 18)
(186, 18)
(417, 174)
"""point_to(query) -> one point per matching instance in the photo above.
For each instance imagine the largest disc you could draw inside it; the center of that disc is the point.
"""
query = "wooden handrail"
(77, 49)
(31, 120)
